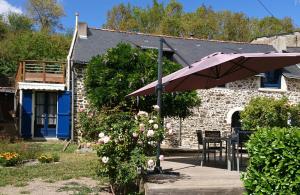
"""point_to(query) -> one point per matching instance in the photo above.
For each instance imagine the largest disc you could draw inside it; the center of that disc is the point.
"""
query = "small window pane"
(272, 79)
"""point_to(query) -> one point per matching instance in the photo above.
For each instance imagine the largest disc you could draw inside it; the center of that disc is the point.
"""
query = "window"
(222, 86)
(168, 55)
(272, 79)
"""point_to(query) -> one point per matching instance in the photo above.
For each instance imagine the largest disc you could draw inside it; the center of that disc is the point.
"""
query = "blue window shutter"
(26, 114)
(64, 115)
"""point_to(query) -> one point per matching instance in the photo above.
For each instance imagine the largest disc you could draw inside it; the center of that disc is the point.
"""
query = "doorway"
(236, 121)
(45, 114)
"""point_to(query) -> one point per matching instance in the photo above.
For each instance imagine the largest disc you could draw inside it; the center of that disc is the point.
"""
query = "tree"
(171, 22)
(121, 18)
(31, 45)
(3, 27)
(46, 13)
(19, 22)
(123, 69)
(202, 23)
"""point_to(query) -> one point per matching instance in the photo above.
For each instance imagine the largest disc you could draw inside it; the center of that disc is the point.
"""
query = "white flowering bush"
(126, 147)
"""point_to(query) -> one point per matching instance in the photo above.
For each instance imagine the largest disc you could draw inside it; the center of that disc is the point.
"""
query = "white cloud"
(5, 8)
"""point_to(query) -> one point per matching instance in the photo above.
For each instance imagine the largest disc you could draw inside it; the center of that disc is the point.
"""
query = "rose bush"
(126, 147)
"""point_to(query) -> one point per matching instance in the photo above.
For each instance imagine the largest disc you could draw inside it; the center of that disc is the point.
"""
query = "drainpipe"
(71, 74)
(180, 130)
(72, 106)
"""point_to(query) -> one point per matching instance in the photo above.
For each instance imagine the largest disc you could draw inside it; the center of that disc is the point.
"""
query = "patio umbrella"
(218, 69)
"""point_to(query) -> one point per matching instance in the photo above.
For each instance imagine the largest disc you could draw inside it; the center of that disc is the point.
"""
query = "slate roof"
(192, 50)
(292, 71)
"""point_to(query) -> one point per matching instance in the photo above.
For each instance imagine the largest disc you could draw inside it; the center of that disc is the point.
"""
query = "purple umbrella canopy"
(219, 69)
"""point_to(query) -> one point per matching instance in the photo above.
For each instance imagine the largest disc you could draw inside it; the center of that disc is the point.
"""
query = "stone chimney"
(82, 30)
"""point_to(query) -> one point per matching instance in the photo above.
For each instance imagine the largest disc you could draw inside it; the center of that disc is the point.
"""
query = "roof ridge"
(174, 37)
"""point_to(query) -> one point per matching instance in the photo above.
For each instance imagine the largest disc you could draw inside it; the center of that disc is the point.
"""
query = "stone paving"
(194, 179)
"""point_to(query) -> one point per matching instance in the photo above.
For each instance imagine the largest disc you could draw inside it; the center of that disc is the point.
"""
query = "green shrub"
(126, 147)
(45, 158)
(55, 157)
(48, 158)
(25, 150)
(265, 112)
(90, 122)
(274, 166)
(295, 115)
(9, 159)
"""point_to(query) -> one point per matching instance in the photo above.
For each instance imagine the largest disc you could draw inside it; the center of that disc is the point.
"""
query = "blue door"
(26, 114)
(45, 114)
(64, 115)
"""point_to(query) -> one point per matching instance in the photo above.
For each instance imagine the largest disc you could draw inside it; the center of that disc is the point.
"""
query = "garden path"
(72, 186)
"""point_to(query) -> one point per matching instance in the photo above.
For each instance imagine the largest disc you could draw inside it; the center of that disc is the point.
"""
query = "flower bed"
(9, 159)
(48, 158)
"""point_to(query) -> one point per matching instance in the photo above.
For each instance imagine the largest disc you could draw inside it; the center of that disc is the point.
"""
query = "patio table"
(230, 148)
(232, 152)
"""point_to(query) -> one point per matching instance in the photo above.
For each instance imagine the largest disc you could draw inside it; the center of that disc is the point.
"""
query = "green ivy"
(124, 69)
(274, 166)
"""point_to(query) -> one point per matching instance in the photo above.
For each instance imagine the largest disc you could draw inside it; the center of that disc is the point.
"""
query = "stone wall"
(80, 98)
(280, 42)
(217, 107)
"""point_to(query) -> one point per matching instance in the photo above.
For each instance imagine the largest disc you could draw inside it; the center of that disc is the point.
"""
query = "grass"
(24, 192)
(76, 188)
(71, 165)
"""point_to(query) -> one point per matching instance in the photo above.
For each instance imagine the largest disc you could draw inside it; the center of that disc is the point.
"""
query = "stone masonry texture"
(214, 113)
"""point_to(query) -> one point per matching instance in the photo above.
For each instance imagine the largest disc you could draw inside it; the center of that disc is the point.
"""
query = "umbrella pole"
(159, 89)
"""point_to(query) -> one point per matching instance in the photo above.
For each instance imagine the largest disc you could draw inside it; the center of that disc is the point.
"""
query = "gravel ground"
(72, 186)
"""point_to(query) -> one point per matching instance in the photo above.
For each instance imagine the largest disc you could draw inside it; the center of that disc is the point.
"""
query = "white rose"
(106, 139)
(168, 125)
(150, 133)
(135, 134)
(155, 126)
(156, 107)
(105, 159)
(161, 157)
(142, 113)
(150, 163)
(101, 135)
(151, 121)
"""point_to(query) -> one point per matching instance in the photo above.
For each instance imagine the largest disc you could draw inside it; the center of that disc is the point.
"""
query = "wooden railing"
(41, 71)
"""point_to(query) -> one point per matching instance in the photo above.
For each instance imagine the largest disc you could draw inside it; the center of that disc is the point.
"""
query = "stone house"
(220, 106)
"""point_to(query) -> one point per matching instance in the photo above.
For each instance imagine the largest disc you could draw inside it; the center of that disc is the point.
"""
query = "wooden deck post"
(44, 72)
(23, 71)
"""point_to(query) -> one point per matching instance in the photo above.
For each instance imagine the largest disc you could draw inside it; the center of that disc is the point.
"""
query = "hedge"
(274, 166)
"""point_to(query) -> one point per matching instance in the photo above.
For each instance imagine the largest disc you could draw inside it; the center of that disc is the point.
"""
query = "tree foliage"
(46, 13)
(123, 69)
(204, 22)
(19, 22)
(269, 112)
(20, 42)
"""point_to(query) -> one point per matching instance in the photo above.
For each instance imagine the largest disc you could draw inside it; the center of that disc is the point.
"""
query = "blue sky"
(94, 11)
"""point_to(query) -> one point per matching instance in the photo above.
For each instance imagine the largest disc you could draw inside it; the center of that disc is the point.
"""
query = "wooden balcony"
(41, 72)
